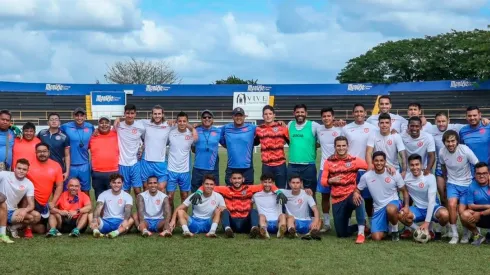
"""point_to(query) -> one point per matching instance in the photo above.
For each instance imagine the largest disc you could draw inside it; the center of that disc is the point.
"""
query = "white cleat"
(465, 239)
(454, 240)
(448, 235)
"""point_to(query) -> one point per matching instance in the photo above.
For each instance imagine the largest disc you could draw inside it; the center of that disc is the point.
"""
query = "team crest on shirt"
(187, 137)
(387, 179)
(348, 164)
(299, 201)
(85, 130)
(157, 202)
(57, 138)
(120, 201)
(482, 131)
(275, 129)
(420, 144)
(213, 202)
(460, 159)
(366, 130)
(244, 192)
(421, 185)
(244, 129)
(335, 134)
(213, 134)
(134, 131)
(389, 142)
(22, 187)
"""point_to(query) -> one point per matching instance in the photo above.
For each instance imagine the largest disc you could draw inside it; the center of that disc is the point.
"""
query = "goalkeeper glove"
(281, 198)
(196, 198)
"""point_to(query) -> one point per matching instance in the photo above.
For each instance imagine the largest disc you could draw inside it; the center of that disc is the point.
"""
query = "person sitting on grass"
(239, 216)
(71, 211)
(271, 218)
(116, 218)
(205, 216)
(153, 210)
(298, 208)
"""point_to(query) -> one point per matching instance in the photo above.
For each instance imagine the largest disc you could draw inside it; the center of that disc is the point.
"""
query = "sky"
(274, 41)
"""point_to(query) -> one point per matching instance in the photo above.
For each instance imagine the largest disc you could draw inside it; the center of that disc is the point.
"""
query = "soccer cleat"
(96, 233)
(281, 232)
(146, 233)
(229, 233)
(437, 236)
(75, 233)
(263, 233)
(166, 234)
(113, 234)
(254, 232)
(478, 239)
(292, 233)
(487, 236)
(448, 235)
(454, 240)
(307, 237)
(360, 239)
(211, 235)
(5, 239)
(52, 233)
(395, 236)
(315, 235)
(14, 232)
(407, 234)
(28, 233)
(465, 239)
(367, 231)
(188, 234)
(325, 228)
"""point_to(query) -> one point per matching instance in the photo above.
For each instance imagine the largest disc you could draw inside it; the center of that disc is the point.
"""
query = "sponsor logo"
(57, 87)
(258, 88)
(387, 180)
(252, 99)
(461, 84)
(57, 138)
(358, 87)
(420, 143)
(298, 135)
(156, 88)
(482, 131)
(107, 98)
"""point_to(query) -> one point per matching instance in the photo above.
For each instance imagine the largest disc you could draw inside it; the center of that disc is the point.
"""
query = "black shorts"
(67, 225)
(484, 222)
(41, 209)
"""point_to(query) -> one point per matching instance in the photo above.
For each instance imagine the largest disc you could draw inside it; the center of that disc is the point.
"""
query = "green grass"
(131, 254)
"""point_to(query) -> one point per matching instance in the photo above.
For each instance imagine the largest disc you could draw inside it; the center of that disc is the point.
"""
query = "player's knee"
(443, 215)
(377, 236)
(452, 203)
(466, 215)
(36, 217)
(392, 210)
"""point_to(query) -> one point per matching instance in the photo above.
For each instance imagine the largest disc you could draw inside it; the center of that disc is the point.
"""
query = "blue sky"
(275, 41)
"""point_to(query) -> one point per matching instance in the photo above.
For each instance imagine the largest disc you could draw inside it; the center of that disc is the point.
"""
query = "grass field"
(131, 254)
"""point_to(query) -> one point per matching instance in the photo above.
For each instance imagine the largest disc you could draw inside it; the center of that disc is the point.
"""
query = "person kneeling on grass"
(239, 216)
(153, 210)
(70, 213)
(116, 218)
(206, 215)
(271, 218)
(298, 208)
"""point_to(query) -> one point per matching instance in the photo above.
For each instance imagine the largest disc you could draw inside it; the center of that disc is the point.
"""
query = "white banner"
(251, 102)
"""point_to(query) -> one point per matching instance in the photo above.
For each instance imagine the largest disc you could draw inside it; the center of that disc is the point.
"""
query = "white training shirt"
(299, 206)
(458, 164)
(129, 138)
(154, 205)
(205, 210)
(156, 138)
(326, 139)
(396, 121)
(422, 146)
(383, 187)
(391, 145)
(423, 191)
(15, 189)
(267, 206)
(427, 126)
(179, 154)
(437, 135)
(358, 136)
(114, 204)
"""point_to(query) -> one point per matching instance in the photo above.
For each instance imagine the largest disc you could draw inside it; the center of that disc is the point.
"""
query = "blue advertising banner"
(108, 98)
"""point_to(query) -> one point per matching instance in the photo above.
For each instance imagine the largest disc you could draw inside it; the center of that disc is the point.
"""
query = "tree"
(141, 72)
(235, 80)
(449, 56)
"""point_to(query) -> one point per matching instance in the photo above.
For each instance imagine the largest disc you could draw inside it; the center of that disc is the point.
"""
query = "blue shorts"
(9, 216)
(181, 179)
(272, 226)
(456, 191)
(379, 221)
(132, 176)
(110, 224)
(198, 225)
(319, 187)
(153, 168)
(153, 224)
(83, 173)
(439, 173)
(420, 214)
(364, 193)
(302, 226)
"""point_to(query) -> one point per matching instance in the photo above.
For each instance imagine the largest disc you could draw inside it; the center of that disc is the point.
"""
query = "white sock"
(466, 232)
(478, 229)
(117, 232)
(394, 228)
(454, 228)
(414, 226)
(213, 227)
(360, 229)
(326, 219)
(185, 228)
(226, 228)
(3, 230)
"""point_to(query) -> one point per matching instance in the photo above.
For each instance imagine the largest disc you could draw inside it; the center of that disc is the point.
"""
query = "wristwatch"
(78, 211)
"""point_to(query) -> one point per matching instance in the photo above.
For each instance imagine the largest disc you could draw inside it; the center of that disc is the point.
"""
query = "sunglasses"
(207, 117)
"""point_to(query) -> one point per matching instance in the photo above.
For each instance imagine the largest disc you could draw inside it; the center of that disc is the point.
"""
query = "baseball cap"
(79, 110)
(207, 112)
(105, 117)
(238, 111)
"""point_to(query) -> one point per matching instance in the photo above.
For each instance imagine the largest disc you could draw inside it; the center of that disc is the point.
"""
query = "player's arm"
(97, 211)
(140, 207)
(222, 139)
(57, 193)
(432, 194)
(360, 164)
(403, 161)
(470, 200)
(167, 212)
(471, 156)
(402, 188)
(431, 155)
(191, 128)
(86, 208)
(324, 181)
(183, 207)
(369, 154)
(315, 225)
(127, 211)
(443, 168)
(30, 204)
(67, 158)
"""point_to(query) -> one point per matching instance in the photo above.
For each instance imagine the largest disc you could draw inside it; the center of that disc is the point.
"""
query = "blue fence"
(228, 90)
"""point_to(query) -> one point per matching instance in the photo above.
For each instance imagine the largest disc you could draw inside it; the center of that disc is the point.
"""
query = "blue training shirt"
(57, 143)
(3, 144)
(207, 147)
(478, 139)
(478, 194)
(239, 142)
(78, 135)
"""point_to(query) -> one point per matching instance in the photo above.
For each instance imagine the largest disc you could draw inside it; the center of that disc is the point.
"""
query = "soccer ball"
(421, 236)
